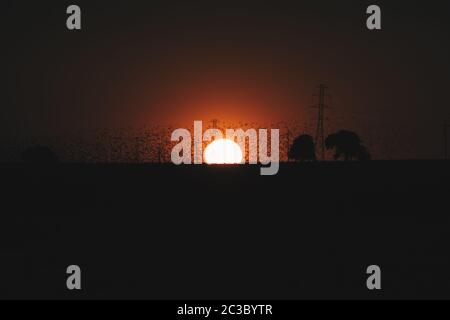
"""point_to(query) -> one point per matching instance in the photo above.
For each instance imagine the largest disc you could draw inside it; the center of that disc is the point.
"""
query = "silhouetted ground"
(161, 231)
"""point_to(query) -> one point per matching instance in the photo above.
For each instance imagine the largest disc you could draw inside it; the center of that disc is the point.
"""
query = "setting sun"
(223, 151)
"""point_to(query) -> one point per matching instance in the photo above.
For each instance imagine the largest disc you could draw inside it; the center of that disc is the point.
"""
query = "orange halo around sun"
(223, 151)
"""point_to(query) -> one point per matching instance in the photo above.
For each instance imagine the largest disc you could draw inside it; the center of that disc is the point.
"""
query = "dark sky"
(143, 62)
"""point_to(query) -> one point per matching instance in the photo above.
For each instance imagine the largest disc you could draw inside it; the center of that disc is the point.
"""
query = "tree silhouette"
(362, 153)
(39, 155)
(303, 149)
(347, 145)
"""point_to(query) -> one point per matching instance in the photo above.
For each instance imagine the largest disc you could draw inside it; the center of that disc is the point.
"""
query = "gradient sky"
(144, 62)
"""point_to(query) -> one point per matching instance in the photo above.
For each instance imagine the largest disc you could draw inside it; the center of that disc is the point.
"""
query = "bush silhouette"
(303, 149)
(362, 153)
(39, 155)
(347, 145)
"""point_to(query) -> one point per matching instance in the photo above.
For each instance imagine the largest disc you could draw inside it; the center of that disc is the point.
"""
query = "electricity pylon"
(320, 135)
(445, 141)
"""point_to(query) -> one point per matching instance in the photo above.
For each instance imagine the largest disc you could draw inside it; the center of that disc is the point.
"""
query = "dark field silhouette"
(161, 231)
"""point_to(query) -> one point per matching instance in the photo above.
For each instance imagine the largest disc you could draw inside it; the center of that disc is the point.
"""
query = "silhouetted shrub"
(39, 155)
(347, 145)
(303, 149)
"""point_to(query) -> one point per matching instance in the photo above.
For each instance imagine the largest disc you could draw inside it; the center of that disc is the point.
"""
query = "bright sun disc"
(223, 151)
